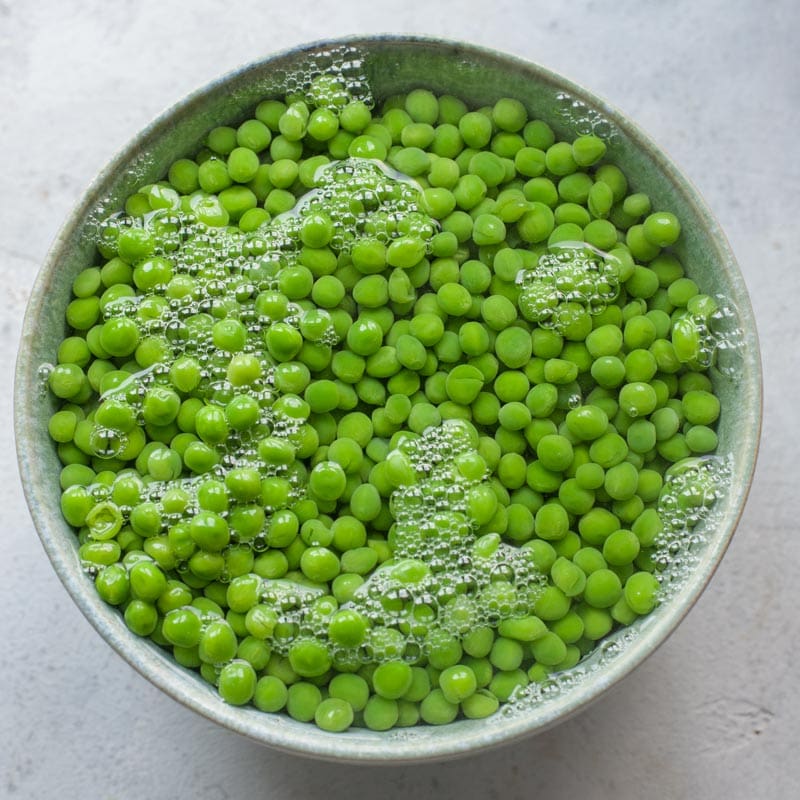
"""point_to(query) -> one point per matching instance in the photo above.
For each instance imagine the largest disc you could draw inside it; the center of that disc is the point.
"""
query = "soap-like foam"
(584, 120)
(570, 278)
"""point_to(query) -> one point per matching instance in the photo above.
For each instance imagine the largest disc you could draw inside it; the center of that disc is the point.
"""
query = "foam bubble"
(434, 587)
(526, 697)
(569, 280)
(688, 506)
(43, 378)
(582, 119)
(219, 273)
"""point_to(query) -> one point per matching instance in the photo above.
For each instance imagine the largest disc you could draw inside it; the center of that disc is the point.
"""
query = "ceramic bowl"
(391, 64)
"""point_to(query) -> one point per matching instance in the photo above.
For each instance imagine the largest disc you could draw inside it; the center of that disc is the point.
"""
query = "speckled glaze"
(392, 64)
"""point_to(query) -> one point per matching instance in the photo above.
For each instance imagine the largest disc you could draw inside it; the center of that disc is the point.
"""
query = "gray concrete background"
(715, 713)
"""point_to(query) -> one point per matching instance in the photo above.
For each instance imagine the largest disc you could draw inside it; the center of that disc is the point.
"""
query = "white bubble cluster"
(219, 273)
(569, 279)
(716, 335)
(582, 119)
(443, 579)
(328, 78)
(364, 198)
(688, 505)
(524, 698)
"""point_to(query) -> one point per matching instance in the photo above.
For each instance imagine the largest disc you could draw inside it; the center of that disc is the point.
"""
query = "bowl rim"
(287, 735)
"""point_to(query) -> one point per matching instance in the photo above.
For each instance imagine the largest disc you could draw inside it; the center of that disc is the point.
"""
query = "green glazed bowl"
(391, 65)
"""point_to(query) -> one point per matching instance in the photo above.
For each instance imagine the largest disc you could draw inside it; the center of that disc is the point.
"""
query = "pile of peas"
(574, 419)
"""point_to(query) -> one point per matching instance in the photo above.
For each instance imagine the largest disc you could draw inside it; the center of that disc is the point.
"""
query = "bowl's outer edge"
(409, 746)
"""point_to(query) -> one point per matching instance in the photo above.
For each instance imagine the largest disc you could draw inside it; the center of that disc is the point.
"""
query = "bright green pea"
(302, 701)
(662, 228)
(637, 399)
(603, 589)
(514, 347)
(463, 383)
(641, 592)
(551, 522)
(309, 659)
(555, 452)
(237, 682)
(334, 715)
(141, 617)
(621, 548)
(380, 713)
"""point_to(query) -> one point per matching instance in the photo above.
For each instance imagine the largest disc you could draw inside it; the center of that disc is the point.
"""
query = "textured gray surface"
(716, 712)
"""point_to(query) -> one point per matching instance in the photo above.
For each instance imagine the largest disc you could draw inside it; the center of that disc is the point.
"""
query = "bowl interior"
(390, 65)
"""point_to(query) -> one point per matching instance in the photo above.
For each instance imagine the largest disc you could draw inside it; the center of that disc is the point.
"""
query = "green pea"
(603, 589)
(464, 383)
(141, 617)
(334, 715)
(309, 658)
(587, 150)
(662, 228)
(641, 592)
(380, 714)
(302, 701)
